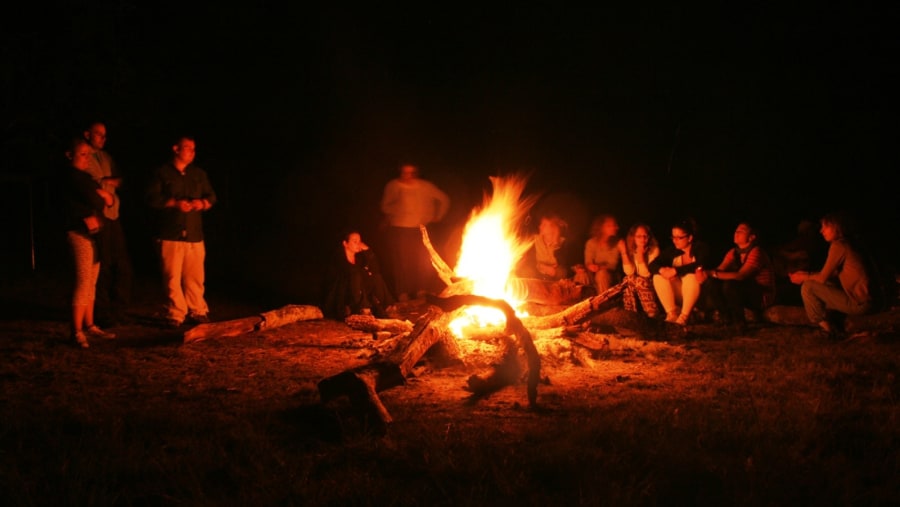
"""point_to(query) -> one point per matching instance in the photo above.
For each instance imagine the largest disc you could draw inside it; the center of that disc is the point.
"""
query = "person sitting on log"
(602, 255)
(842, 286)
(355, 283)
(641, 249)
(678, 272)
(543, 271)
(743, 280)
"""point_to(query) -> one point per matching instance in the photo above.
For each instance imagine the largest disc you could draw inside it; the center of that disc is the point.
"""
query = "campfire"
(491, 248)
(479, 304)
(478, 315)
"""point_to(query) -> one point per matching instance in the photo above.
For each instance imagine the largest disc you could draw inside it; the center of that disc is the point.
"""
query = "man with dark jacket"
(181, 192)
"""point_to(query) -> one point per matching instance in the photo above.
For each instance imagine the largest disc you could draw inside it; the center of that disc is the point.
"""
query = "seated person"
(640, 250)
(744, 278)
(356, 285)
(678, 273)
(841, 287)
(602, 255)
(543, 272)
(544, 260)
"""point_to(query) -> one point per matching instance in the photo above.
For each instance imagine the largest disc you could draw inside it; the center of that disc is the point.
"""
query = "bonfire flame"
(491, 248)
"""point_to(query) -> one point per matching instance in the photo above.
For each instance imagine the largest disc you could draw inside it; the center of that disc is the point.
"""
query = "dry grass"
(775, 417)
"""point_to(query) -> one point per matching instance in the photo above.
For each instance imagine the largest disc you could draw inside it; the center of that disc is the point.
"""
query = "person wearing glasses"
(678, 272)
(641, 249)
(744, 278)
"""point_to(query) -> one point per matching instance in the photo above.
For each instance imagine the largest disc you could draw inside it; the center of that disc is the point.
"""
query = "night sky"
(302, 114)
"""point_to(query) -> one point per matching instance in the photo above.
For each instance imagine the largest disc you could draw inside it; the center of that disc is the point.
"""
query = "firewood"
(271, 319)
(370, 324)
(362, 384)
(575, 313)
(515, 327)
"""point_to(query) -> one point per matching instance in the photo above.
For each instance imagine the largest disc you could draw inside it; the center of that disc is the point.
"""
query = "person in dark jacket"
(83, 202)
(181, 193)
(356, 285)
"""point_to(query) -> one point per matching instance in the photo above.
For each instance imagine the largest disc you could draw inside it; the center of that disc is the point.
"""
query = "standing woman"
(678, 272)
(639, 251)
(83, 203)
(842, 285)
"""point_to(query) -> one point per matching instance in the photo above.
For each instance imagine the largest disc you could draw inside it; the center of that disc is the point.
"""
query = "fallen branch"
(271, 319)
(362, 384)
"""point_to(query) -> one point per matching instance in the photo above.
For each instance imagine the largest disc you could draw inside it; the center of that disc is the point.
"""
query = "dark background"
(301, 116)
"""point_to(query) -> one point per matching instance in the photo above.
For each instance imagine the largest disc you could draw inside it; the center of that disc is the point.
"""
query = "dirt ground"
(630, 373)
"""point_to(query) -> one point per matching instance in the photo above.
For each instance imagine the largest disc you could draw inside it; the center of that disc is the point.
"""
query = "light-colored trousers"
(183, 274)
(684, 289)
(87, 268)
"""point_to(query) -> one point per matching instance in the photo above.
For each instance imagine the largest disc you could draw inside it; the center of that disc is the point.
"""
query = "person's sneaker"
(81, 339)
(99, 333)
(200, 318)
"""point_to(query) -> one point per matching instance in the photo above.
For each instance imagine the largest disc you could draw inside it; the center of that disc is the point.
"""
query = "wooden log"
(237, 327)
(288, 315)
(362, 384)
(225, 329)
(370, 324)
(443, 270)
(575, 313)
(514, 326)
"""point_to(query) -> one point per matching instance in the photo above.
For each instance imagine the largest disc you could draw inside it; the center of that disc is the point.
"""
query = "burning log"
(577, 312)
(507, 372)
(362, 384)
(271, 319)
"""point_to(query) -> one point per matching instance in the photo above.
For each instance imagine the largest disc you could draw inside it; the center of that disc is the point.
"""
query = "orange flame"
(491, 248)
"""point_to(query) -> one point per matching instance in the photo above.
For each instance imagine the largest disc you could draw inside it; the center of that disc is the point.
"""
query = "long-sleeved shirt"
(848, 265)
(170, 183)
(410, 204)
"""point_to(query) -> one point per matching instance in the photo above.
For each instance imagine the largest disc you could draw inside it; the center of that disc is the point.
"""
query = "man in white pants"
(181, 192)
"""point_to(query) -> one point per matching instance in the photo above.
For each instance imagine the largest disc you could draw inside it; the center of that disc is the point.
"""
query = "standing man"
(114, 281)
(181, 192)
(408, 202)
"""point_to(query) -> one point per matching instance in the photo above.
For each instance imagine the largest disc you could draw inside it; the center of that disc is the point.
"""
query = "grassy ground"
(774, 416)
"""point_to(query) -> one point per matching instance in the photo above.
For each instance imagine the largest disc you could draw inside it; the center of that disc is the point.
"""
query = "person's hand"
(107, 196)
(668, 273)
(92, 223)
(112, 181)
(701, 274)
(798, 277)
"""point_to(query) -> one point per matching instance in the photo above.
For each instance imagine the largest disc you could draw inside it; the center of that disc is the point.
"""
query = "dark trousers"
(730, 297)
(411, 269)
(114, 282)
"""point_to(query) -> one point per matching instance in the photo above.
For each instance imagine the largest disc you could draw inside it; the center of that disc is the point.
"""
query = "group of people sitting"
(680, 283)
